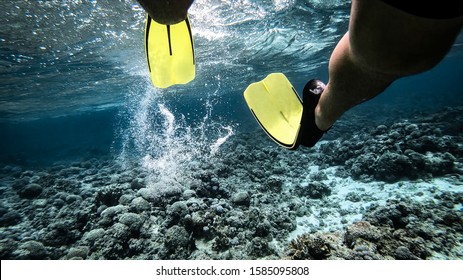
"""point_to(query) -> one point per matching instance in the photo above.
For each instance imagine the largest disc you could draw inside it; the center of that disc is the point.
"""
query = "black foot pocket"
(309, 133)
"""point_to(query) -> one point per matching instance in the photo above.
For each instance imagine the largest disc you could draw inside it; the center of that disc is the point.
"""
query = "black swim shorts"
(443, 9)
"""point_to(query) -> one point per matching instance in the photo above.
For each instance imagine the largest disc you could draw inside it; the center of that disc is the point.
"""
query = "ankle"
(320, 121)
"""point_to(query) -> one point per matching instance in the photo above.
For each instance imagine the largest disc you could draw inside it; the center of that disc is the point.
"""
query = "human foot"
(309, 132)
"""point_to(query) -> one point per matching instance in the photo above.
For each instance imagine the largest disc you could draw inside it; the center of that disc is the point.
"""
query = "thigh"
(386, 39)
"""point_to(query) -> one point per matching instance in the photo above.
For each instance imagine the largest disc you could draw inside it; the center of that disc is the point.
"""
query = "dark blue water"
(74, 81)
(96, 163)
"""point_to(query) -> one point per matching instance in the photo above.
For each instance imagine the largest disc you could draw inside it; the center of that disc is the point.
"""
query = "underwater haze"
(96, 163)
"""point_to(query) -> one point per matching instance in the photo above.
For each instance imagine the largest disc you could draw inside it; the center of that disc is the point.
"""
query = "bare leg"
(382, 45)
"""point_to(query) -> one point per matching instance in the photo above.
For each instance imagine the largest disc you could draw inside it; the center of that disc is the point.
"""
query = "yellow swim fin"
(169, 52)
(277, 108)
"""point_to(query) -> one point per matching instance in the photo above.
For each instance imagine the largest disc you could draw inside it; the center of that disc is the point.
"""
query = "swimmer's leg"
(382, 45)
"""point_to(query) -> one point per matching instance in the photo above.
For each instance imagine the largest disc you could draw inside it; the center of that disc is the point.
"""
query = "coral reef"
(392, 192)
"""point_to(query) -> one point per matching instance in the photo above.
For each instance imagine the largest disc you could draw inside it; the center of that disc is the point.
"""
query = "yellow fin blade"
(277, 108)
(170, 53)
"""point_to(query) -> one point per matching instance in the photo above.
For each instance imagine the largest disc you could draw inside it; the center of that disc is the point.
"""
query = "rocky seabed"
(389, 191)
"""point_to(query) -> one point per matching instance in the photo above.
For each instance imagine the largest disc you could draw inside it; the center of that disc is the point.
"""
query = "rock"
(139, 204)
(263, 229)
(31, 250)
(120, 232)
(58, 203)
(61, 232)
(391, 167)
(393, 214)
(403, 253)
(410, 128)
(177, 210)
(219, 209)
(109, 195)
(259, 247)
(221, 242)
(176, 213)
(310, 246)
(353, 196)
(93, 235)
(361, 230)
(425, 232)
(159, 194)
(440, 164)
(7, 247)
(73, 198)
(136, 185)
(187, 194)
(241, 199)
(132, 221)
(78, 253)
(273, 184)
(199, 223)
(10, 218)
(146, 193)
(30, 191)
(363, 165)
(314, 190)
(108, 215)
(125, 199)
(453, 219)
(364, 250)
(380, 130)
(237, 218)
(418, 160)
(40, 203)
(176, 237)
(424, 144)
